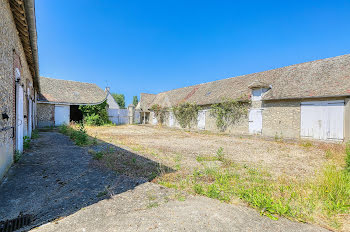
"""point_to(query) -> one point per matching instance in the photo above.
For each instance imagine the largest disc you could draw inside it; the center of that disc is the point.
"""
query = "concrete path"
(59, 182)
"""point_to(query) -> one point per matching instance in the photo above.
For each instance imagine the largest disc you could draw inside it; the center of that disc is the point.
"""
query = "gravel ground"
(280, 158)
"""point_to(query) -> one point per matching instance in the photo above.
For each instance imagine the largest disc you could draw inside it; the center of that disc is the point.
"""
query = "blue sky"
(151, 46)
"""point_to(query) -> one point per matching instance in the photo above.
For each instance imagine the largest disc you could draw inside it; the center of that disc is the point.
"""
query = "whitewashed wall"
(118, 116)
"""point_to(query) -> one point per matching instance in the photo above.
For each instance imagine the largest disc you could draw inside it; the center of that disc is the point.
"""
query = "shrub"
(186, 114)
(95, 115)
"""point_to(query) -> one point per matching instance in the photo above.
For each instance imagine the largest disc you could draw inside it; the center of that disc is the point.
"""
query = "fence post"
(131, 113)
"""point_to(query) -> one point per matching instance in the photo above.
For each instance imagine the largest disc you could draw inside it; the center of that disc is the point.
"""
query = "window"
(257, 93)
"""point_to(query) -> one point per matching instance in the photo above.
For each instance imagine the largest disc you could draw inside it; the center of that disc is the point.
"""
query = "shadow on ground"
(56, 178)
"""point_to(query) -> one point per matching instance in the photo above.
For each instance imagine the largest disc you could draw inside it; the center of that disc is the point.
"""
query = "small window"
(257, 94)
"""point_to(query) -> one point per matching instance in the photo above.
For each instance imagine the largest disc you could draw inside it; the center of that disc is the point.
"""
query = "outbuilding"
(307, 100)
(59, 100)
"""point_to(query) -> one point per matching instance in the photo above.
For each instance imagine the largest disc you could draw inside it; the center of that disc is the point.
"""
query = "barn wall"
(45, 114)
(347, 120)
(10, 44)
(281, 118)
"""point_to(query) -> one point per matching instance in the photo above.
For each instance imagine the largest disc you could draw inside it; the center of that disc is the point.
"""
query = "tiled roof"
(145, 101)
(321, 78)
(70, 92)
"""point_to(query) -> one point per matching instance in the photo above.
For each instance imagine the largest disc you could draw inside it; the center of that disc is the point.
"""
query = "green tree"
(135, 101)
(120, 99)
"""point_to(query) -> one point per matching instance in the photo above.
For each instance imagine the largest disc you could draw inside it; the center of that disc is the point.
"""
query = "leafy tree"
(135, 101)
(96, 115)
(120, 99)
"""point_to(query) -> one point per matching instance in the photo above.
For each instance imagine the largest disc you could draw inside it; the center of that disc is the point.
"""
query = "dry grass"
(301, 180)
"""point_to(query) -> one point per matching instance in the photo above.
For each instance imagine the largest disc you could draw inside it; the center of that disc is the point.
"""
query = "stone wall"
(45, 114)
(281, 118)
(10, 46)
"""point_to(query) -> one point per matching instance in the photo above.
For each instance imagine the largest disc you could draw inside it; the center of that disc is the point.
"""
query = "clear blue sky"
(150, 46)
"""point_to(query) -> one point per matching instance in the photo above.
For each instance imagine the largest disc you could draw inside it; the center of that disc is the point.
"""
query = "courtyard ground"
(58, 182)
(297, 179)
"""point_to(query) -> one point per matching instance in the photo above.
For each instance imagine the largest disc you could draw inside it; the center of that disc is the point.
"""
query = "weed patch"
(77, 134)
(320, 198)
(26, 142)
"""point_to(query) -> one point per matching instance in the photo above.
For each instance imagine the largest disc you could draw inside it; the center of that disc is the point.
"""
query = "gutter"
(30, 13)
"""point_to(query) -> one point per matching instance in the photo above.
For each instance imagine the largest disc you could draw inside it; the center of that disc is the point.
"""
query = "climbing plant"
(159, 112)
(229, 112)
(186, 114)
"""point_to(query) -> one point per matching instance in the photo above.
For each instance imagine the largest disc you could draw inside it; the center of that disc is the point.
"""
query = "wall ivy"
(186, 114)
(229, 112)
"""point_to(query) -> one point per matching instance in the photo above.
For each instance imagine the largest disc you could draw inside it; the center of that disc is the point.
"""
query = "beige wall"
(45, 114)
(281, 118)
(9, 42)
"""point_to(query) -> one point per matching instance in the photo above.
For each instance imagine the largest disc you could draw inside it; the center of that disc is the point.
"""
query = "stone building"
(59, 100)
(19, 72)
(307, 100)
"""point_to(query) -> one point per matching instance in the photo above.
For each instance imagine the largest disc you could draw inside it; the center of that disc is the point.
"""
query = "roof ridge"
(254, 73)
(68, 80)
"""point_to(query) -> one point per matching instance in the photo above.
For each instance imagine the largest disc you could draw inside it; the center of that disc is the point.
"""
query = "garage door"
(322, 120)
(61, 115)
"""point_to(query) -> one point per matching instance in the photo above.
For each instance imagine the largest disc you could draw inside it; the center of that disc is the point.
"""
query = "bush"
(95, 115)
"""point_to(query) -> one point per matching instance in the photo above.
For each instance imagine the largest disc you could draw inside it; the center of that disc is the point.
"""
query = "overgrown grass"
(77, 134)
(321, 199)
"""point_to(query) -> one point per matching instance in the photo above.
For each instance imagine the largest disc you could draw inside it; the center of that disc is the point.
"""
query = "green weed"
(26, 142)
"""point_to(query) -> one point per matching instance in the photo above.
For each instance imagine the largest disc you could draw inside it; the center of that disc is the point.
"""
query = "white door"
(171, 119)
(19, 118)
(322, 120)
(255, 121)
(201, 119)
(61, 115)
(30, 118)
(154, 118)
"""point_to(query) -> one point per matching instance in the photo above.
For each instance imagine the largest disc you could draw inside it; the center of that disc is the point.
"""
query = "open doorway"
(75, 114)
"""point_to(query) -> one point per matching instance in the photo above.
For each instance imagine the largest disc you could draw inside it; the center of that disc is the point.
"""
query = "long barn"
(307, 100)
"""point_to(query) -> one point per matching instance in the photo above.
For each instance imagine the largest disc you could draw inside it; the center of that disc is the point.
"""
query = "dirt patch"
(176, 147)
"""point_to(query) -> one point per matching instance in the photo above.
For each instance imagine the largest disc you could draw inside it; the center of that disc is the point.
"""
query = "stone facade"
(281, 118)
(11, 51)
(46, 115)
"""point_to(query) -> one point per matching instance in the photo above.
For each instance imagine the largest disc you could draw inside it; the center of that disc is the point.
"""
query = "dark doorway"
(75, 114)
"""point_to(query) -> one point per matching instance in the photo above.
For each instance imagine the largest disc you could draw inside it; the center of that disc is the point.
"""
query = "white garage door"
(61, 115)
(322, 120)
